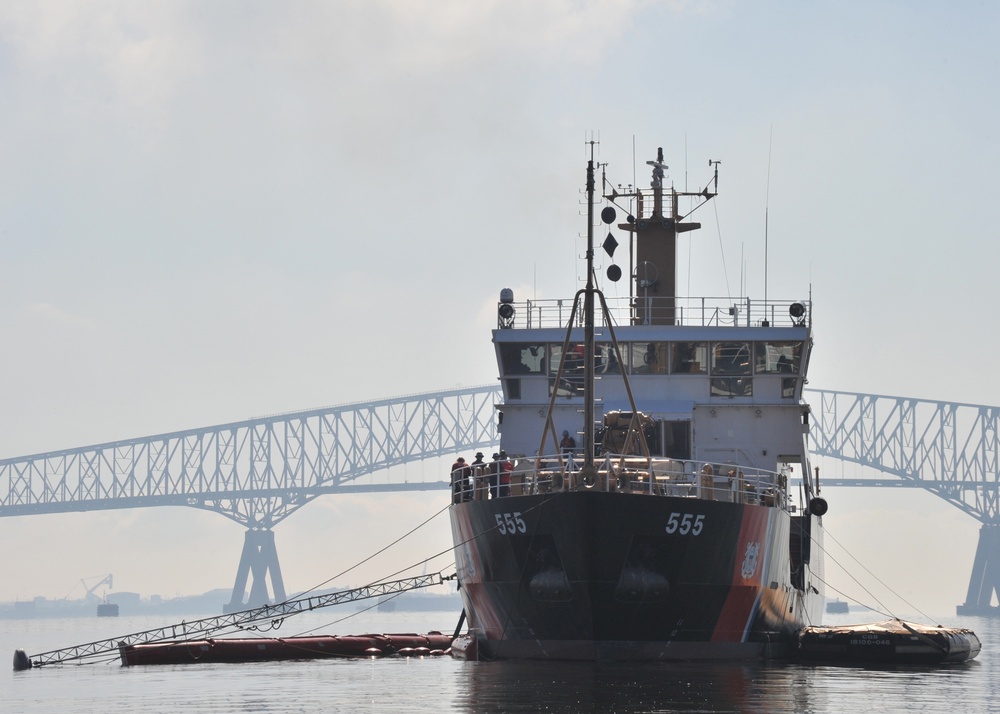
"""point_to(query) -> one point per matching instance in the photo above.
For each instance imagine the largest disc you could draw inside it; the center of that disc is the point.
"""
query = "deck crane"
(106, 580)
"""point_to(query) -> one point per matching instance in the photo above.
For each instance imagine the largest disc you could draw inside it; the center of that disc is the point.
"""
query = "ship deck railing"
(629, 474)
(685, 311)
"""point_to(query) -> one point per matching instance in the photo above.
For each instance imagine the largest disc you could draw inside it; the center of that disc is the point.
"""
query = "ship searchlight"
(505, 310)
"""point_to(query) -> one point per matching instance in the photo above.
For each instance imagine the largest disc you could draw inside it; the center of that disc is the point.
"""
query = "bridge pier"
(985, 580)
(259, 558)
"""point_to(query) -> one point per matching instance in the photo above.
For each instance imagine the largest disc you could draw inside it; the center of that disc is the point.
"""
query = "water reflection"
(435, 684)
(636, 687)
(722, 687)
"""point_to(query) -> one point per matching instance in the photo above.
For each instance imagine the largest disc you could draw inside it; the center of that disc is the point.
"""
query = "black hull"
(596, 575)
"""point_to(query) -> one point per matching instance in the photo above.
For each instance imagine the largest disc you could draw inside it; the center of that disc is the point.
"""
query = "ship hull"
(595, 575)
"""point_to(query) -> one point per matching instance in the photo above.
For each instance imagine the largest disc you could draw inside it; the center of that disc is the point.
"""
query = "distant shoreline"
(210, 603)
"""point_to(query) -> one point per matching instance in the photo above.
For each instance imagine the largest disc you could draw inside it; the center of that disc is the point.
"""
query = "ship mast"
(648, 247)
(589, 472)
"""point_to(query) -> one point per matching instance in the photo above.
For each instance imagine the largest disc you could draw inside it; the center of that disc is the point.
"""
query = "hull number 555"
(685, 523)
(510, 523)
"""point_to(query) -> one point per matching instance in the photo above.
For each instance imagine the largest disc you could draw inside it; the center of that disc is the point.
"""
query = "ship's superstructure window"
(606, 360)
(522, 359)
(572, 370)
(649, 357)
(781, 357)
(731, 358)
(732, 387)
(689, 358)
(731, 365)
(731, 369)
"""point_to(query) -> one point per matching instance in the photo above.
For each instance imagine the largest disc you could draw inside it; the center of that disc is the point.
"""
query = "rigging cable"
(722, 250)
(358, 564)
(376, 553)
(767, 201)
(436, 555)
(888, 612)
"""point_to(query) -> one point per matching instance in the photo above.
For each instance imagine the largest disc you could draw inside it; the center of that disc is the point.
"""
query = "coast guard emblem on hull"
(750, 561)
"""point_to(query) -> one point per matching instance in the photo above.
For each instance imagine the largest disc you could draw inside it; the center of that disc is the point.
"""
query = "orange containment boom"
(262, 649)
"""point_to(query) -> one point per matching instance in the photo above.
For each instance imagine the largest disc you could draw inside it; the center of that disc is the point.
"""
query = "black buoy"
(21, 661)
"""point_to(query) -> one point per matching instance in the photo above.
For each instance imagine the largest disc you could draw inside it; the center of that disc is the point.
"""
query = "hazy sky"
(215, 210)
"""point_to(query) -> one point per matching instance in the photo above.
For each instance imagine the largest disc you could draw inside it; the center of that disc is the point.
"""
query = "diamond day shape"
(609, 245)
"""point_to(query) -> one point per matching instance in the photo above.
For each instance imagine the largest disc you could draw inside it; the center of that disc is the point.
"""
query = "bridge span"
(259, 471)
(256, 472)
(946, 448)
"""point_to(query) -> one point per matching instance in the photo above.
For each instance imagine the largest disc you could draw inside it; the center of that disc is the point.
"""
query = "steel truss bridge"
(948, 449)
(260, 471)
(256, 472)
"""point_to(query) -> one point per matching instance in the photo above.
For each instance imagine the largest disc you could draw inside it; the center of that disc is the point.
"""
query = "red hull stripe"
(748, 569)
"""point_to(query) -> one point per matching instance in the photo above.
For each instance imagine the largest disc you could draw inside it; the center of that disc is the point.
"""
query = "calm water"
(441, 683)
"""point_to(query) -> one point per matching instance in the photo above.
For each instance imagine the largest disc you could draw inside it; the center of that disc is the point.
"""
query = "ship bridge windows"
(571, 382)
(732, 387)
(689, 357)
(649, 357)
(731, 365)
(731, 358)
(667, 357)
(519, 358)
(779, 357)
(606, 360)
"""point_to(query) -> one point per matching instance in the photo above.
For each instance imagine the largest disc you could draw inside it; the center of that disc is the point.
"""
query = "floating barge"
(888, 642)
(836, 607)
(238, 650)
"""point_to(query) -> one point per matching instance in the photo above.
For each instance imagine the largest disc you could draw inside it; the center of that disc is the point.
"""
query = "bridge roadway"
(259, 471)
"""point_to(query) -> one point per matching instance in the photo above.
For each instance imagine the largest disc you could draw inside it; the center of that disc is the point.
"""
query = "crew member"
(506, 467)
(479, 477)
(460, 473)
(568, 444)
(494, 469)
